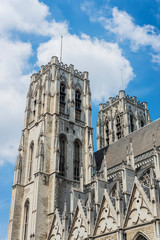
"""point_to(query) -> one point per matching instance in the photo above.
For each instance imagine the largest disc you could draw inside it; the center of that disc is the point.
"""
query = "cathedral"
(62, 189)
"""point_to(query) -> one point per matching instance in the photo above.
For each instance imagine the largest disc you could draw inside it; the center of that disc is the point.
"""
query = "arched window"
(131, 123)
(107, 132)
(76, 163)
(62, 98)
(145, 178)
(26, 218)
(30, 160)
(118, 125)
(62, 159)
(78, 105)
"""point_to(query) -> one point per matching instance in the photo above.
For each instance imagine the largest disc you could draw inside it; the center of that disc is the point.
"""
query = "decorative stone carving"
(139, 212)
(80, 231)
(55, 233)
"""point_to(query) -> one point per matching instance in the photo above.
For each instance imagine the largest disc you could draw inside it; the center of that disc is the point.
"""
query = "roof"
(142, 141)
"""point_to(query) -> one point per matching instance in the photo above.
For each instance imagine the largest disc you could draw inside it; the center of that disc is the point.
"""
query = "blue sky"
(102, 37)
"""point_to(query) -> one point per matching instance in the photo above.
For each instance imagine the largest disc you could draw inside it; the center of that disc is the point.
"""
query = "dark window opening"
(131, 123)
(78, 105)
(118, 125)
(142, 123)
(26, 218)
(62, 156)
(62, 98)
(107, 132)
(76, 161)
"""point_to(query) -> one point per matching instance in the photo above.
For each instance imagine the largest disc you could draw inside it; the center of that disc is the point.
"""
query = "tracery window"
(118, 125)
(78, 105)
(26, 218)
(62, 98)
(145, 178)
(131, 123)
(76, 163)
(107, 132)
(30, 160)
(62, 159)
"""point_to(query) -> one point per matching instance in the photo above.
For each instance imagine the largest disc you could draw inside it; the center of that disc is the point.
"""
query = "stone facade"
(61, 189)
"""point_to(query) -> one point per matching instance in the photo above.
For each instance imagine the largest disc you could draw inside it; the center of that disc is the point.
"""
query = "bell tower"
(56, 149)
(120, 116)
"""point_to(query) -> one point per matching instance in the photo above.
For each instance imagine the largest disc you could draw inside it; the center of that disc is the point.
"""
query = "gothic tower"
(120, 116)
(55, 152)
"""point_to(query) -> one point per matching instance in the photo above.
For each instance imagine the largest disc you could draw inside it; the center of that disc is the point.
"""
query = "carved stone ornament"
(79, 231)
(55, 233)
(139, 213)
(107, 221)
(77, 86)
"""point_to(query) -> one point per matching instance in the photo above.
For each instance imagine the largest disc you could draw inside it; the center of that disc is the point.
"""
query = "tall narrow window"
(131, 123)
(78, 105)
(62, 98)
(62, 156)
(107, 132)
(76, 164)
(142, 123)
(30, 160)
(26, 218)
(118, 125)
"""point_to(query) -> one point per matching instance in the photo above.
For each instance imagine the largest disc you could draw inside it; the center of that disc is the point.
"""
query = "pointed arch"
(140, 236)
(26, 219)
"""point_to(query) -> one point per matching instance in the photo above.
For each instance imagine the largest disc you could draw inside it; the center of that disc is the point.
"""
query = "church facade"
(62, 189)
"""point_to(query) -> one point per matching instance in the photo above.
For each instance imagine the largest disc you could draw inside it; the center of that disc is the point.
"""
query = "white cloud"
(13, 86)
(124, 27)
(102, 59)
(28, 16)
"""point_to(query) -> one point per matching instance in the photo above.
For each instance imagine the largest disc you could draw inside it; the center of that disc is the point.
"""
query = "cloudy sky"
(113, 40)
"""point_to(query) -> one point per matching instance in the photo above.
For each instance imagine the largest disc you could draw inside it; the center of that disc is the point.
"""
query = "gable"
(107, 220)
(139, 209)
(79, 226)
(56, 228)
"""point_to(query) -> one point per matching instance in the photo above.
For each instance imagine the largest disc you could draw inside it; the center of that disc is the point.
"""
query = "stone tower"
(55, 152)
(120, 116)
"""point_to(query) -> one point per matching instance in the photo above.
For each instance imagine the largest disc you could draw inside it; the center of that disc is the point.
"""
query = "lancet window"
(118, 125)
(76, 163)
(30, 160)
(26, 218)
(62, 159)
(78, 105)
(62, 98)
(107, 132)
(131, 123)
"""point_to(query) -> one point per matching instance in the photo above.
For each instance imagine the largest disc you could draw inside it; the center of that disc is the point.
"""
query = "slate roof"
(142, 141)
